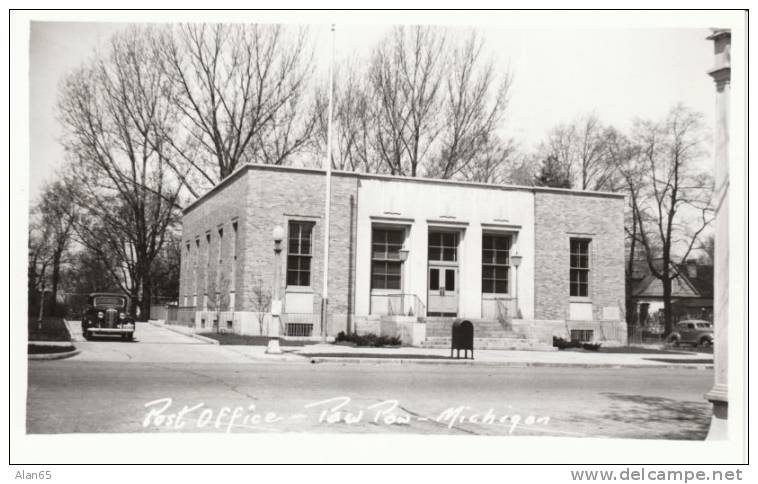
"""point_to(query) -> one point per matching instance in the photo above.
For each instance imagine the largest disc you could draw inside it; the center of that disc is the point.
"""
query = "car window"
(112, 301)
(703, 325)
(691, 326)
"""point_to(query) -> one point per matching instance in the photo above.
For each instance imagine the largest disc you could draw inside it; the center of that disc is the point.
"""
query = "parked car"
(107, 314)
(693, 332)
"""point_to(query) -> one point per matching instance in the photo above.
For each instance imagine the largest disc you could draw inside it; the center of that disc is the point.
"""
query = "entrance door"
(443, 291)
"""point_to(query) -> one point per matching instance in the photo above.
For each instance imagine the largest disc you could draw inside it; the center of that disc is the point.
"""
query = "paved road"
(109, 386)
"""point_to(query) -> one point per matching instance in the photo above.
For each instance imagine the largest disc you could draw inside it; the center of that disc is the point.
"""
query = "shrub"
(369, 339)
(591, 346)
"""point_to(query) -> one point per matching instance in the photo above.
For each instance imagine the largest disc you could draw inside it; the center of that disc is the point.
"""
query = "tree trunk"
(146, 299)
(667, 317)
(54, 283)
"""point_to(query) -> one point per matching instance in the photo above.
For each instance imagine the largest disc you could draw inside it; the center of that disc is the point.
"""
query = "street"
(167, 382)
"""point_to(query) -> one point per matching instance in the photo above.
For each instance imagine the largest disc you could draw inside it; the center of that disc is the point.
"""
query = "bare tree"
(260, 297)
(581, 146)
(406, 74)
(494, 161)
(623, 155)
(475, 99)
(116, 111)
(239, 88)
(40, 259)
(673, 204)
(353, 102)
(56, 214)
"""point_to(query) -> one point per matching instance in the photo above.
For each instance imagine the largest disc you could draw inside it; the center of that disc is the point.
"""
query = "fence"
(181, 315)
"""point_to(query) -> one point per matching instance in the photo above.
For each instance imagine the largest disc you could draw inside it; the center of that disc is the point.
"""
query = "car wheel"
(674, 341)
(706, 342)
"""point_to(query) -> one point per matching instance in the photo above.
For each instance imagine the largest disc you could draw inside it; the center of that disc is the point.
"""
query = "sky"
(558, 73)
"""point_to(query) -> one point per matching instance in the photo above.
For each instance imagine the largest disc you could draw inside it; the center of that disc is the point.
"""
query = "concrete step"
(521, 344)
(478, 333)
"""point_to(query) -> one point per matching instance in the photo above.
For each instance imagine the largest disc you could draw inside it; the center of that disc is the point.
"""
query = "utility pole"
(327, 201)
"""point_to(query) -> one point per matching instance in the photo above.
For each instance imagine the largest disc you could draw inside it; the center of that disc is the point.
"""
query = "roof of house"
(253, 166)
(645, 284)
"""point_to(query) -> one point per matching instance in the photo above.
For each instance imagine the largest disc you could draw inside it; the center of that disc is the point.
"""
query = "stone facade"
(256, 198)
(560, 216)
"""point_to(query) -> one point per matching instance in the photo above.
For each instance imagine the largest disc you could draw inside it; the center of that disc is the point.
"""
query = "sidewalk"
(326, 353)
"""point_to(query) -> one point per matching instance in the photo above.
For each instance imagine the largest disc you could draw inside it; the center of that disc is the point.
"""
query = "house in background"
(406, 257)
(692, 294)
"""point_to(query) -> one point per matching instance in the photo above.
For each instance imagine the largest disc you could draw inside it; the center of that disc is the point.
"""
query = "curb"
(55, 356)
(191, 335)
(503, 364)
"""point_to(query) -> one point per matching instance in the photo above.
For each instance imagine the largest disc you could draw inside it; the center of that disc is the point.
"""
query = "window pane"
(450, 279)
(434, 279)
(488, 256)
(305, 246)
(393, 282)
(377, 282)
(395, 237)
(487, 242)
(584, 262)
(393, 268)
(448, 254)
(435, 238)
(488, 285)
(501, 257)
(488, 272)
(292, 278)
(583, 277)
(305, 277)
(393, 251)
(293, 246)
(502, 243)
(501, 287)
(434, 253)
(378, 251)
(377, 267)
(305, 263)
(292, 262)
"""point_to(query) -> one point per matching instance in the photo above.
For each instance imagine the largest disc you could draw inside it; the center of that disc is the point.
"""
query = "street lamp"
(276, 304)
(516, 261)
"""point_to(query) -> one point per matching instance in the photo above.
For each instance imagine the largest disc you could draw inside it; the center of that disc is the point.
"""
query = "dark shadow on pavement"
(667, 418)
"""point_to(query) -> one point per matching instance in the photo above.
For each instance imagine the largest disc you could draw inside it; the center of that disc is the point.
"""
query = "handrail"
(405, 304)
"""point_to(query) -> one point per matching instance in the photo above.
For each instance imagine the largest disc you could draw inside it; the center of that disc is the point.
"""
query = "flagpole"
(327, 200)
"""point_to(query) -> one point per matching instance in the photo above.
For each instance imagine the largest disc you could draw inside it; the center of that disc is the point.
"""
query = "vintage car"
(107, 314)
(693, 332)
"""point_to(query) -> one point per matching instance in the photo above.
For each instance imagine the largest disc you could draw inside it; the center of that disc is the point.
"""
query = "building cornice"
(374, 176)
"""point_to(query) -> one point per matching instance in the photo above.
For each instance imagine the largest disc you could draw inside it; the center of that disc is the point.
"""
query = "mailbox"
(462, 338)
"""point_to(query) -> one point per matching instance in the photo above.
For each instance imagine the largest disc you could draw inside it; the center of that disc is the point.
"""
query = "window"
(579, 277)
(495, 263)
(220, 245)
(299, 251)
(443, 246)
(235, 240)
(385, 258)
(582, 335)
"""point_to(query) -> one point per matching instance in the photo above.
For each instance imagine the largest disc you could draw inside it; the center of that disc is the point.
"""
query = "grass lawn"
(375, 355)
(51, 329)
(238, 339)
(684, 350)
